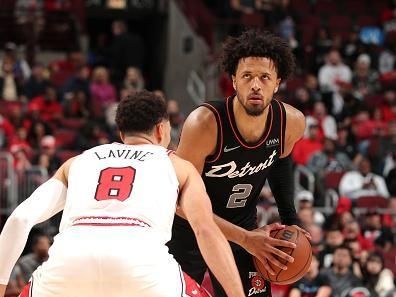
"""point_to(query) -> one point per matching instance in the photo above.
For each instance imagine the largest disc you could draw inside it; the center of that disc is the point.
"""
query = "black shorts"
(186, 252)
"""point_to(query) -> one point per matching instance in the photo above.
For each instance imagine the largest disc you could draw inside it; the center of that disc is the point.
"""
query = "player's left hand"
(305, 232)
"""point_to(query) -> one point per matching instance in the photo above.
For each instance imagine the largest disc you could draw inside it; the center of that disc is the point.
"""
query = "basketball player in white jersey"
(118, 203)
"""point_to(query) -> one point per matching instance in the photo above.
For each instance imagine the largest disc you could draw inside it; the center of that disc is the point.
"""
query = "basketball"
(302, 255)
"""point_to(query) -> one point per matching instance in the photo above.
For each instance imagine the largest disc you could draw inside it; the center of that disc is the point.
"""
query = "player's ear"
(159, 131)
(233, 81)
(278, 81)
(122, 136)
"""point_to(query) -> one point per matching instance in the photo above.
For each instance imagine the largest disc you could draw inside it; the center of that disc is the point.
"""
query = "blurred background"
(64, 65)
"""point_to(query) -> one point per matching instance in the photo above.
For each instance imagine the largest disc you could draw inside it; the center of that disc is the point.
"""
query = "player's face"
(255, 83)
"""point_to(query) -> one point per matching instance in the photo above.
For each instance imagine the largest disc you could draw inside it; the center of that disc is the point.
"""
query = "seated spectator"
(20, 140)
(48, 148)
(102, 91)
(312, 86)
(365, 127)
(305, 200)
(386, 60)
(20, 67)
(391, 181)
(49, 108)
(307, 146)
(364, 80)
(388, 106)
(37, 131)
(362, 182)
(346, 142)
(339, 276)
(329, 160)
(312, 284)
(317, 235)
(78, 82)
(29, 263)
(352, 232)
(374, 231)
(378, 279)
(302, 101)
(333, 238)
(90, 136)
(10, 87)
(326, 122)
(324, 162)
(7, 130)
(37, 82)
(323, 44)
(134, 79)
(76, 106)
(389, 218)
(21, 160)
(332, 78)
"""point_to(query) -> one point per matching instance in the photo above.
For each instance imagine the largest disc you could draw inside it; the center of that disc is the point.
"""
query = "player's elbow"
(18, 220)
(204, 228)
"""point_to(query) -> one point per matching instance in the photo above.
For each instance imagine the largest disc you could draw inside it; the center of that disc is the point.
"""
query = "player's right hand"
(259, 243)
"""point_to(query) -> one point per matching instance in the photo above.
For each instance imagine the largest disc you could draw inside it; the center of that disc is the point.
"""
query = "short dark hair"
(140, 112)
(256, 43)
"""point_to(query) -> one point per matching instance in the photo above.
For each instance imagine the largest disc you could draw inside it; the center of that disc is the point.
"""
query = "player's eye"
(246, 75)
(265, 77)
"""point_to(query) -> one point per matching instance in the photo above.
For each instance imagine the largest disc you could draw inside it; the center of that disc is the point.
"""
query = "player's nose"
(256, 84)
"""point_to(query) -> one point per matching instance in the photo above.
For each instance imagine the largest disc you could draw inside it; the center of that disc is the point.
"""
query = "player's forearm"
(217, 254)
(282, 186)
(231, 231)
(2, 290)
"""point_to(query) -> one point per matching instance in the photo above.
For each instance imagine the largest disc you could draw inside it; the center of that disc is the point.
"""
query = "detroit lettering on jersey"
(230, 169)
(123, 154)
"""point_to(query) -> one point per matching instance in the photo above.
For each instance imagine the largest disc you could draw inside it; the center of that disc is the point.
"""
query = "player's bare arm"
(295, 126)
(200, 132)
(215, 249)
(47, 200)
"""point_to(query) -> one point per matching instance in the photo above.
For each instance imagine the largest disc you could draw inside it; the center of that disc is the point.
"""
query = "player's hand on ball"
(260, 244)
(305, 232)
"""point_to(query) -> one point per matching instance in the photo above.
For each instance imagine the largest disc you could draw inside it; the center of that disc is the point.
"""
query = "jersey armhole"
(282, 126)
(219, 142)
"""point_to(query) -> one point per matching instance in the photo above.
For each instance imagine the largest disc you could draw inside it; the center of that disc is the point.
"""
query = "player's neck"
(250, 127)
(136, 139)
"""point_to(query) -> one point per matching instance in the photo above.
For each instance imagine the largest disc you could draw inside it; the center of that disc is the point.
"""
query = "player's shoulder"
(201, 118)
(293, 113)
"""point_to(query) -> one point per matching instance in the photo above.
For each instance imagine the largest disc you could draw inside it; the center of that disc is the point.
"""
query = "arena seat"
(325, 7)
(332, 179)
(366, 20)
(371, 202)
(70, 123)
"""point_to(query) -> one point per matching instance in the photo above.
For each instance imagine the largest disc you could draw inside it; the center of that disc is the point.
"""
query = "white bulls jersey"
(118, 184)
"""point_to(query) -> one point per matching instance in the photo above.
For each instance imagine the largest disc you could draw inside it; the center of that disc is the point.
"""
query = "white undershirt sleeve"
(46, 201)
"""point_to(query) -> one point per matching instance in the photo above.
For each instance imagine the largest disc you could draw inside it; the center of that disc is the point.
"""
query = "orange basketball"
(302, 255)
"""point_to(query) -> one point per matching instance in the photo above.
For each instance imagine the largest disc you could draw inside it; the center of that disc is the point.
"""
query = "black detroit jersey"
(235, 174)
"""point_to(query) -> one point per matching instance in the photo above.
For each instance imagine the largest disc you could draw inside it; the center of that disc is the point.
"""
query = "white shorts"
(117, 261)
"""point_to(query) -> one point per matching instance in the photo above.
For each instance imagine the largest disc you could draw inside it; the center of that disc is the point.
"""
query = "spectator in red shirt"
(49, 108)
(306, 147)
(7, 130)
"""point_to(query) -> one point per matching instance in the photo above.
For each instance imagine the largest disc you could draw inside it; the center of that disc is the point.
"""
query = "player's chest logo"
(231, 169)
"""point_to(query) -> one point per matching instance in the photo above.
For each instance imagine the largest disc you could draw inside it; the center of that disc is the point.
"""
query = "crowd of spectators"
(345, 85)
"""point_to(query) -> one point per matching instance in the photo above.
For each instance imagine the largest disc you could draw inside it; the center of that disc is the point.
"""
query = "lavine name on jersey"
(123, 154)
(230, 169)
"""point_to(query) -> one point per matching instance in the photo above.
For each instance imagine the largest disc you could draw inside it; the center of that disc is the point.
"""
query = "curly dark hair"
(139, 113)
(256, 43)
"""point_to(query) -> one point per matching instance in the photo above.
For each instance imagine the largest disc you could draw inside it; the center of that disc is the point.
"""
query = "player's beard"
(253, 110)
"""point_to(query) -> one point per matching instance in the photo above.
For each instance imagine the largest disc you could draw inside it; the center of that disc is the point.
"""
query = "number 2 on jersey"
(115, 183)
(239, 198)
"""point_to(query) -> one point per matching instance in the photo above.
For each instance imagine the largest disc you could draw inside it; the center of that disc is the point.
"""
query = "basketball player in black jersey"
(237, 144)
